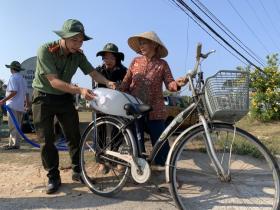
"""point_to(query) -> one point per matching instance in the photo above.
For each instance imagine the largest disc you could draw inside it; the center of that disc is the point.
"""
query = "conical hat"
(133, 42)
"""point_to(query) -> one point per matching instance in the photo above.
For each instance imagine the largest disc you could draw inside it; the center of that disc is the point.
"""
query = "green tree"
(265, 86)
(168, 93)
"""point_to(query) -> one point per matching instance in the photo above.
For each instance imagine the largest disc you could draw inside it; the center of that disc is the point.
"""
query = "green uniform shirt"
(51, 60)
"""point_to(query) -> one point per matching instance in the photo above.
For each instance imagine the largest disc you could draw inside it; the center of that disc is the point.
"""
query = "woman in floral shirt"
(144, 80)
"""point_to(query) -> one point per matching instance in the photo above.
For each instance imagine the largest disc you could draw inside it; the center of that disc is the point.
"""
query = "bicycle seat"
(137, 109)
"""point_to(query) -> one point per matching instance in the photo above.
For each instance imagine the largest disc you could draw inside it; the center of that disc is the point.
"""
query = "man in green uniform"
(57, 62)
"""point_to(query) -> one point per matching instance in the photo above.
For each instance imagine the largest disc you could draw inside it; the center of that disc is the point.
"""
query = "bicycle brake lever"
(207, 54)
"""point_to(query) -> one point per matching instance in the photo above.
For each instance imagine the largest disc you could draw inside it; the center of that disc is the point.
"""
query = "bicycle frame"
(172, 127)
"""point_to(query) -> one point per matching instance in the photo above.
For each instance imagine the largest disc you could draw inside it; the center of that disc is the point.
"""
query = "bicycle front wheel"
(252, 171)
(105, 175)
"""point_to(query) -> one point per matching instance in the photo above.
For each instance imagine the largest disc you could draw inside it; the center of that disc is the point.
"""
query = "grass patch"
(268, 133)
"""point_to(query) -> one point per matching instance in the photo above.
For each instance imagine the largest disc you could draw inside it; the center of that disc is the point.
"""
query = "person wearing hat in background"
(144, 80)
(112, 67)
(57, 62)
(17, 100)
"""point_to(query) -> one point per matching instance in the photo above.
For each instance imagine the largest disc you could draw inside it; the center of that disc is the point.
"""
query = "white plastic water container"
(109, 101)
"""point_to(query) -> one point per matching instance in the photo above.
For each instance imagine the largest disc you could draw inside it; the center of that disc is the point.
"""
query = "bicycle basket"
(227, 95)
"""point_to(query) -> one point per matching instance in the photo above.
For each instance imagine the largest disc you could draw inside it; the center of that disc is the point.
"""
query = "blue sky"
(28, 24)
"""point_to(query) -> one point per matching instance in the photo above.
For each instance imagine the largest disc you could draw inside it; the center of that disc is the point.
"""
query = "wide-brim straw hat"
(133, 42)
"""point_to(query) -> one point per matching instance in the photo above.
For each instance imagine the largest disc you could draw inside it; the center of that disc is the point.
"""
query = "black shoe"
(76, 177)
(53, 185)
(7, 147)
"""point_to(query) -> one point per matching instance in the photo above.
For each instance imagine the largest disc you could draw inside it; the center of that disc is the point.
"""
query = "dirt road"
(23, 180)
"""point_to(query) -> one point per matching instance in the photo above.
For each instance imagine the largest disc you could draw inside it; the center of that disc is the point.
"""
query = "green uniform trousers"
(45, 107)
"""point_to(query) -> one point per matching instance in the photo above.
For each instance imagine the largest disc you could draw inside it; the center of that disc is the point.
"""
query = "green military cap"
(15, 65)
(111, 48)
(71, 28)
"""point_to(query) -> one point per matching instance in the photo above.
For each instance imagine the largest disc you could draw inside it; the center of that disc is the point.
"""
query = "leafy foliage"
(2, 91)
(265, 97)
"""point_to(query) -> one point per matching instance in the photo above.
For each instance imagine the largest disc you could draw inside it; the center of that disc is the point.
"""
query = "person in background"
(144, 80)
(17, 100)
(111, 67)
(2, 95)
(57, 62)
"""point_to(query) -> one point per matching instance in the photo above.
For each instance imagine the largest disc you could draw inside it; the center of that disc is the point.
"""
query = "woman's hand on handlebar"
(177, 84)
(181, 81)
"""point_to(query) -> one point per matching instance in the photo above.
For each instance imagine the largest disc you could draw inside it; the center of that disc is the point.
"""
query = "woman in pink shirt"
(144, 80)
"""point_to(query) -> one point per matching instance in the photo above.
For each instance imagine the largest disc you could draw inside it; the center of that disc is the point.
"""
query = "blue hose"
(61, 142)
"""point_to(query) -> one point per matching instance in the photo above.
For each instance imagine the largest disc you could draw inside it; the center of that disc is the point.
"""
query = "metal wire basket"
(227, 95)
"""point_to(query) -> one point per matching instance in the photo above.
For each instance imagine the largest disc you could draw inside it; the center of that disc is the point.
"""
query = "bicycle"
(212, 164)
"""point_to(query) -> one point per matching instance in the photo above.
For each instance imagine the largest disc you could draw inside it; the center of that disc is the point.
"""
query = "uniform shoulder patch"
(54, 48)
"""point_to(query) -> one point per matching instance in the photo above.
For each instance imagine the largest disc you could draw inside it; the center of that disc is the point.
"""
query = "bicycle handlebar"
(207, 54)
(199, 55)
(198, 51)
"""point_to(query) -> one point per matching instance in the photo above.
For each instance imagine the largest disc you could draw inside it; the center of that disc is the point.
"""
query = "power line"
(187, 37)
(196, 21)
(171, 3)
(235, 39)
(187, 53)
(181, 4)
(269, 17)
(263, 25)
(250, 29)
(277, 6)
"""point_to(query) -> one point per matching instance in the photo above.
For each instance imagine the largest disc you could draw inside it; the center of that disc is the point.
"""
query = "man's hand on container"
(87, 94)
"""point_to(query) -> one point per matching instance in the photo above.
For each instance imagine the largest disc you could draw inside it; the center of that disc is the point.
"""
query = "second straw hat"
(133, 42)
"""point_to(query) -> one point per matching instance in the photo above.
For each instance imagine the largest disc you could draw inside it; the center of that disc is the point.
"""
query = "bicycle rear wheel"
(254, 173)
(105, 175)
